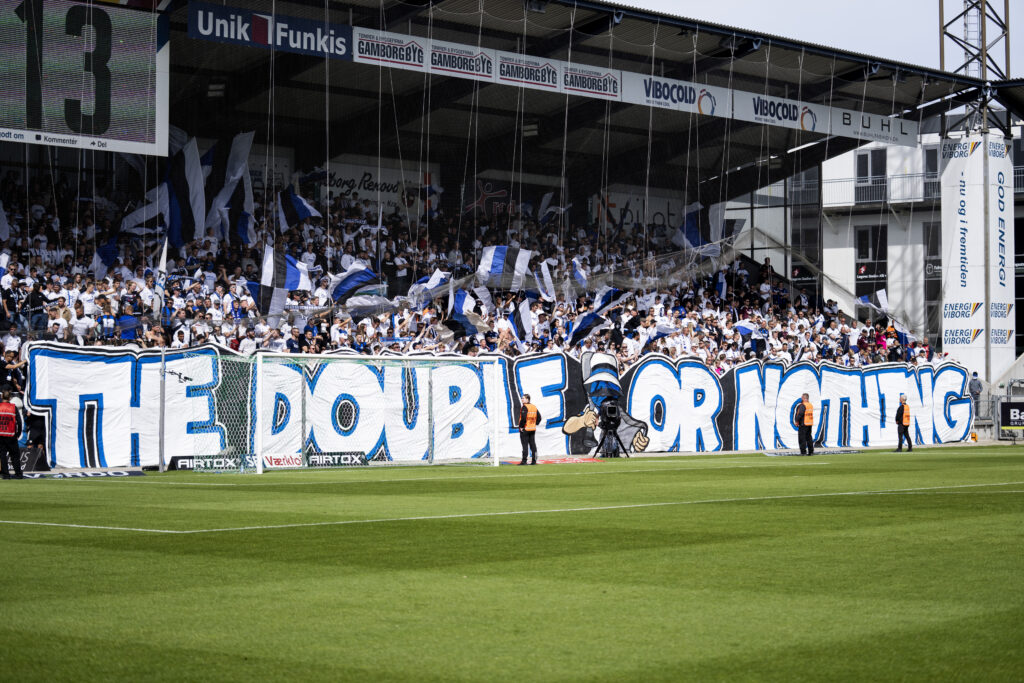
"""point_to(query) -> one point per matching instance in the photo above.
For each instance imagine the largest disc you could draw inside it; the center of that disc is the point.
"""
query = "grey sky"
(902, 30)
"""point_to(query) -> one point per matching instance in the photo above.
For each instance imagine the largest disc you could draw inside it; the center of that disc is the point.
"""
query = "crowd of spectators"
(56, 287)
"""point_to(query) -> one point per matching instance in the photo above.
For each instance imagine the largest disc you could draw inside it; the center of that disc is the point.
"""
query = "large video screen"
(91, 75)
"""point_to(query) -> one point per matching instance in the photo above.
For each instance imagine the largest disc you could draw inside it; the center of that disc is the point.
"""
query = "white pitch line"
(533, 473)
(91, 526)
(630, 506)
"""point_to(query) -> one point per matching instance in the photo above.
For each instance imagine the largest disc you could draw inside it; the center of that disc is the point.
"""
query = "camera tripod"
(607, 448)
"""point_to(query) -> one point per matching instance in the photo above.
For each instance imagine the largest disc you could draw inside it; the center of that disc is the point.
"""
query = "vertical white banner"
(1002, 290)
(963, 251)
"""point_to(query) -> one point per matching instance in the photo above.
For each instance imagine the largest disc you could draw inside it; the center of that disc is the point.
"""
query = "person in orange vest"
(10, 430)
(529, 418)
(903, 425)
(804, 420)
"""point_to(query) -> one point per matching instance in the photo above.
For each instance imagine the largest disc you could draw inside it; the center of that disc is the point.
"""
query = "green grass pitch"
(867, 566)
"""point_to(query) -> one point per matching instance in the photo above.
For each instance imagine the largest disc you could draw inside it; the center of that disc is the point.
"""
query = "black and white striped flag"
(504, 268)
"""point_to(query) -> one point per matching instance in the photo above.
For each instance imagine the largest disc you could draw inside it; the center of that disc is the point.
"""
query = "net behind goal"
(285, 411)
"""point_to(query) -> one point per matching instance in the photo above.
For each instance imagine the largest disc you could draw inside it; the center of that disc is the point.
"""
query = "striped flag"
(720, 286)
(879, 301)
(522, 321)
(579, 276)
(504, 267)
(462, 321)
(545, 285)
(238, 216)
(292, 209)
(228, 165)
(346, 284)
(586, 326)
(281, 274)
(161, 279)
(608, 298)
(427, 288)
(186, 198)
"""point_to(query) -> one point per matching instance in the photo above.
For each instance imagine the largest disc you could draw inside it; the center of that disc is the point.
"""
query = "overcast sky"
(901, 30)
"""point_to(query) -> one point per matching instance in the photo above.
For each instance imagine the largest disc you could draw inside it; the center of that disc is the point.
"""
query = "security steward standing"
(529, 418)
(804, 419)
(903, 425)
(10, 430)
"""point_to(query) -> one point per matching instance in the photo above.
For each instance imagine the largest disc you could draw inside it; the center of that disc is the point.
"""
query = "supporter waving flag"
(229, 164)
(160, 281)
(608, 298)
(293, 209)
(586, 326)
(351, 281)
(281, 274)
(186, 198)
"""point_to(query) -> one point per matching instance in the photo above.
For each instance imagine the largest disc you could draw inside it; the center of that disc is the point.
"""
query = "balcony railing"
(895, 189)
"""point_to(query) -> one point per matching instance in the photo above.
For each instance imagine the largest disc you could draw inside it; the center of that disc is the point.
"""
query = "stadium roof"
(323, 107)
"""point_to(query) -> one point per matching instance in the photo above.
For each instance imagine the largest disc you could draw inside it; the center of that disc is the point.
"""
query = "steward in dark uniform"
(10, 431)
(903, 425)
(804, 420)
(529, 418)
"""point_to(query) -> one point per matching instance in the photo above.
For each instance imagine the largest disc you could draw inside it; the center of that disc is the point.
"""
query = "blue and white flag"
(227, 167)
(586, 326)
(579, 276)
(237, 218)
(688, 233)
(281, 274)
(658, 331)
(522, 321)
(160, 280)
(462, 321)
(349, 283)
(185, 196)
(608, 298)
(484, 296)
(879, 301)
(504, 268)
(545, 285)
(293, 209)
(427, 288)
(5, 260)
(459, 301)
(720, 286)
(745, 327)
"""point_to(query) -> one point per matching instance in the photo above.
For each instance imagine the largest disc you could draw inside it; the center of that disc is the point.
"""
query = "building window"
(871, 180)
(932, 188)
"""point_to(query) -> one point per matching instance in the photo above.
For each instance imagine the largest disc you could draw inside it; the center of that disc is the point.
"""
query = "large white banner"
(1002, 289)
(963, 251)
(978, 332)
(102, 405)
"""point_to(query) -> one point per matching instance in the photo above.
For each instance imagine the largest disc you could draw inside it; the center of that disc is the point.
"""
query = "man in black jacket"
(529, 418)
(903, 425)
